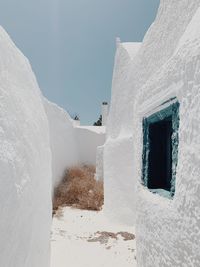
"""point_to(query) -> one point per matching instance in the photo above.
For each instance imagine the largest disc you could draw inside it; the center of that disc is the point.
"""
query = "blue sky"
(71, 45)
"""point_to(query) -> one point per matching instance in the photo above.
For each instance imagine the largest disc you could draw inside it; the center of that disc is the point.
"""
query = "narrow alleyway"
(86, 239)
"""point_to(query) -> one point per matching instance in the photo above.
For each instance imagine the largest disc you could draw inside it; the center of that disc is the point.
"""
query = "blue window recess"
(160, 149)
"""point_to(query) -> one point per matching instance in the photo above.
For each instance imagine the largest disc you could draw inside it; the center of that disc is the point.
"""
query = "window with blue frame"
(160, 148)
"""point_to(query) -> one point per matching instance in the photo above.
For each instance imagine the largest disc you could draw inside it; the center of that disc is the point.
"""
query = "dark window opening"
(160, 149)
(160, 155)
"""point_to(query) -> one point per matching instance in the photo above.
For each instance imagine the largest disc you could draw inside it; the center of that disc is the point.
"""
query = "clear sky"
(71, 45)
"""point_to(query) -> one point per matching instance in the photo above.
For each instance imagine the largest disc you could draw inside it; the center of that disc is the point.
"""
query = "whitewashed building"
(154, 133)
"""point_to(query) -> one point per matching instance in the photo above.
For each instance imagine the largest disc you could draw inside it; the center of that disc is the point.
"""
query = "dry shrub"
(79, 189)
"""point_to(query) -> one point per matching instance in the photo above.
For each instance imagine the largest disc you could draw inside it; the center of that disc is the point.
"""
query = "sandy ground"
(87, 239)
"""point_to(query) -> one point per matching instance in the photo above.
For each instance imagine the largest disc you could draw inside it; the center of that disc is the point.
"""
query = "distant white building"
(88, 139)
(151, 155)
(105, 112)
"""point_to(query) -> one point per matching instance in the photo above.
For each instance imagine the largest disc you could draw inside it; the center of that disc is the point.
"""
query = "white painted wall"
(88, 139)
(25, 163)
(100, 163)
(64, 148)
(167, 65)
(38, 142)
(71, 145)
(119, 179)
(168, 231)
(104, 112)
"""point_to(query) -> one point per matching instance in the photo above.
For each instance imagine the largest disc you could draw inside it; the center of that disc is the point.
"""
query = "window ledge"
(161, 192)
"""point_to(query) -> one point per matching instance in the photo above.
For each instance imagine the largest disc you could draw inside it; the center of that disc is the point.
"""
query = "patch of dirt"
(127, 236)
(131, 249)
(58, 213)
(103, 237)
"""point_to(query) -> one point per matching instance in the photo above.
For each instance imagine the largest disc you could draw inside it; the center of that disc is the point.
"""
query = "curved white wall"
(25, 163)
(167, 65)
(168, 231)
(37, 138)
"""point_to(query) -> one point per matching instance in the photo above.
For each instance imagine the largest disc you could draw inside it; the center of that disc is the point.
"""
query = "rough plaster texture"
(166, 65)
(37, 138)
(25, 163)
(168, 231)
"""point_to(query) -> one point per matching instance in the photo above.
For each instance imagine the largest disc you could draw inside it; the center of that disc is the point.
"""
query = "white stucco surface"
(99, 163)
(173, 225)
(71, 145)
(166, 65)
(64, 147)
(25, 163)
(88, 139)
(119, 179)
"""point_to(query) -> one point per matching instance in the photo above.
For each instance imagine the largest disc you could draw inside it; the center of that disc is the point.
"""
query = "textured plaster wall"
(25, 163)
(166, 65)
(36, 139)
(168, 231)
(119, 178)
